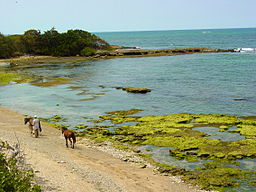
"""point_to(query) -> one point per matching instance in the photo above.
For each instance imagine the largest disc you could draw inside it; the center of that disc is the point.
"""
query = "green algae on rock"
(217, 178)
(118, 119)
(125, 112)
(134, 90)
(55, 121)
(253, 183)
(13, 77)
(216, 119)
(98, 134)
(249, 131)
(55, 118)
(176, 131)
(81, 126)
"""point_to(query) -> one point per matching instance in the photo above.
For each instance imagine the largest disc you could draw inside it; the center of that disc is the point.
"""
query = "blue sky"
(18, 16)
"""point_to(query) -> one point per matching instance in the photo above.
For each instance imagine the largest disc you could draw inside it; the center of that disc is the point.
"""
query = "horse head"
(63, 129)
(26, 120)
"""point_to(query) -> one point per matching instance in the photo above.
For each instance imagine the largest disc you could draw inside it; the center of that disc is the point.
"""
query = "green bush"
(87, 51)
(51, 42)
(13, 179)
(7, 48)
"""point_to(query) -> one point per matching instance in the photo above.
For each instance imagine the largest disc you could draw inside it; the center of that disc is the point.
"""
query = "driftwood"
(12, 151)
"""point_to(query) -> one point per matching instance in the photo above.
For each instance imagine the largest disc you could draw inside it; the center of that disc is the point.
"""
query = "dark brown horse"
(69, 135)
(30, 124)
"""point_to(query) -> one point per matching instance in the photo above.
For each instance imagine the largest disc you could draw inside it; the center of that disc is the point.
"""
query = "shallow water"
(198, 83)
(161, 155)
(215, 134)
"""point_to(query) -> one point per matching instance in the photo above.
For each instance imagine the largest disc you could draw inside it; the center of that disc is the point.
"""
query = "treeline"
(51, 42)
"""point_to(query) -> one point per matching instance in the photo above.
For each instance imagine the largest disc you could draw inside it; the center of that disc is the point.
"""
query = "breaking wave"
(245, 49)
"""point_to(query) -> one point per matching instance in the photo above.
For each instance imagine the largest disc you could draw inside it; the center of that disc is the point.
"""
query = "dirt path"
(83, 169)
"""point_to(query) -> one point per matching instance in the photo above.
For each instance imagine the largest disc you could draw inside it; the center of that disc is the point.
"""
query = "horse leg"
(66, 142)
(31, 129)
(36, 133)
(71, 143)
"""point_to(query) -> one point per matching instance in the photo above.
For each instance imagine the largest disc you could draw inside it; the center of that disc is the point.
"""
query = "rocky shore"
(117, 51)
(125, 52)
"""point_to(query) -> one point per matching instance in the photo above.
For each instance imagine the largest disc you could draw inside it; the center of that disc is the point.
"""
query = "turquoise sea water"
(197, 83)
(211, 38)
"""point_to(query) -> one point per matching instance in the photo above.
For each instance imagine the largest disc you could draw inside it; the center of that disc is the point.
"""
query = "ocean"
(209, 83)
(209, 38)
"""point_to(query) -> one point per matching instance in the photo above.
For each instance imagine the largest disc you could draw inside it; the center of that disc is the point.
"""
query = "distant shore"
(118, 52)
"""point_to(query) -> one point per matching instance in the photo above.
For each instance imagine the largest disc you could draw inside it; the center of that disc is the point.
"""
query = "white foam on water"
(245, 49)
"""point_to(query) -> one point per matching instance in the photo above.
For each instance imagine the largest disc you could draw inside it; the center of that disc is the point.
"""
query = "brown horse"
(30, 124)
(68, 134)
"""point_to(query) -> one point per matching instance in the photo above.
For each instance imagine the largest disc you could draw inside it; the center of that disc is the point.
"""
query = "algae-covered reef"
(179, 133)
(134, 89)
(14, 77)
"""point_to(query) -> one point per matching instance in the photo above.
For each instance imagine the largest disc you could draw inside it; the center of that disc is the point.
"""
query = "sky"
(18, 16)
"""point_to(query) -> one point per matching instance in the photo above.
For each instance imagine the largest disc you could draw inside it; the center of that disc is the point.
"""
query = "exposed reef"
(134, 90)
(114, 52)
(155, 52)
(14, 77)
(222, 158)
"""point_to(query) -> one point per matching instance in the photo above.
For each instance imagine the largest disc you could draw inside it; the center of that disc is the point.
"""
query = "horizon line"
(152, 30)
(173, 29)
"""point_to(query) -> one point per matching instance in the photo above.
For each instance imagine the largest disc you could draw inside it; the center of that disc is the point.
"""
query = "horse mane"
(64, 129)
(27, 119)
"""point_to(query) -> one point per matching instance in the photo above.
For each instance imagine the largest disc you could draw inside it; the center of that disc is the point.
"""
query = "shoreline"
(117, 53)
(87, 166)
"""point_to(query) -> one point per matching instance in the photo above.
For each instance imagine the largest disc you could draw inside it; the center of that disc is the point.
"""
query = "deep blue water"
(197, 83)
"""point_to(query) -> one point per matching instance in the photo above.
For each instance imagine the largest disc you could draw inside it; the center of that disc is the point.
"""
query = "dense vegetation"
(33, 42)
(14, 179)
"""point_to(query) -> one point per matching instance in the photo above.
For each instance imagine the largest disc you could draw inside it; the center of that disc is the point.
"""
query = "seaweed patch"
(179, 133)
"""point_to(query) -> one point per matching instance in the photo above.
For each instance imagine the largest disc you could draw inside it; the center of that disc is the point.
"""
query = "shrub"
(87, 51)
(7, 47)
(13, 179)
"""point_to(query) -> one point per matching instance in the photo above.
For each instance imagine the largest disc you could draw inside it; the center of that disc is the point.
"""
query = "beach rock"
(240, 99)
(134, 90)
(134, 51)
(173, 171)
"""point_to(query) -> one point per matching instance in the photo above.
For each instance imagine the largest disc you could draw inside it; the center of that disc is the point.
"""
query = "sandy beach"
(85, 168)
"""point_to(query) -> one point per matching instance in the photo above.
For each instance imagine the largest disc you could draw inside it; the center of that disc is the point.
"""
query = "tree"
(49, 42)
(7, 48)
(52, 42)
(30, 41)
